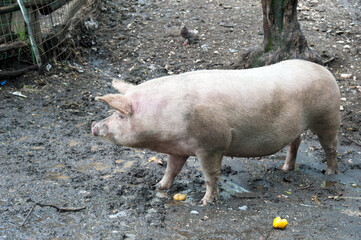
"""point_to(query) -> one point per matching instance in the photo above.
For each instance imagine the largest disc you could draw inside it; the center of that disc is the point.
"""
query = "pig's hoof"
(287, 168)
(162, 186)
(205, 202)
(331, 171)
(207, 199)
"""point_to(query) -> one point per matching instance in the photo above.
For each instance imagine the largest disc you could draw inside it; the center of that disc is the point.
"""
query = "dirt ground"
(48, 155)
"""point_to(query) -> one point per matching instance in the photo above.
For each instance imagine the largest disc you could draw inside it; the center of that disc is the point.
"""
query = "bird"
(191, 36)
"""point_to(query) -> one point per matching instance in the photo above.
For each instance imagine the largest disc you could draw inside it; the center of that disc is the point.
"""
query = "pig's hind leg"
(328, 140)
(326, 131)
(292, 155)
(174, 166)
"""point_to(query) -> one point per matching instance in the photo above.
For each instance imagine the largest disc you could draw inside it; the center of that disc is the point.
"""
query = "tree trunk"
(283, 38)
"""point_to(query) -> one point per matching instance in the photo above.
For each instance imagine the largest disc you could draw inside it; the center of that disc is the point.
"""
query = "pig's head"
(116, 128)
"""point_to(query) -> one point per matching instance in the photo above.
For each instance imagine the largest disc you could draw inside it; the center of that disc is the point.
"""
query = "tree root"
(256, 57)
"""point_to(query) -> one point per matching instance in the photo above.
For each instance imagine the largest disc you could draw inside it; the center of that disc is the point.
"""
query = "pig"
(214, 113)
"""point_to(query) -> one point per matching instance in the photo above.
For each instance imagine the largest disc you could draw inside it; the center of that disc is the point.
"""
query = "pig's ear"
(121, 86)
(118, 102)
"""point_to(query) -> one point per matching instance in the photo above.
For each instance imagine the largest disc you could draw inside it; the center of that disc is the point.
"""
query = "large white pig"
(216, 113)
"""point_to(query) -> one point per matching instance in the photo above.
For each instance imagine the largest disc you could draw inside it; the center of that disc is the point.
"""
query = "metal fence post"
(31, 37)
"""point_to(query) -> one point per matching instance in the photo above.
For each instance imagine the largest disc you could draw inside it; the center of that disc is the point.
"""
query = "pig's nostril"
(94, 129)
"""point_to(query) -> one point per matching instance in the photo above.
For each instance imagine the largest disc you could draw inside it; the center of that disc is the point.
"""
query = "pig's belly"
(258, 150)
(237, 150)
(255, 146)
(259, 146)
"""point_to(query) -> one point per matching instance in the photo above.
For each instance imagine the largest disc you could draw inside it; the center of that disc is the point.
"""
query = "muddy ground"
(48, 155)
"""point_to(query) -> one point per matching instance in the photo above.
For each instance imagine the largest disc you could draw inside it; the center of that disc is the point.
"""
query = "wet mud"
(48, 154)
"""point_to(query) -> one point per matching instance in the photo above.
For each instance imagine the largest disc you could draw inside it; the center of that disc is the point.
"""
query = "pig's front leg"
(211, 167)
(174, 166)
(292, 155)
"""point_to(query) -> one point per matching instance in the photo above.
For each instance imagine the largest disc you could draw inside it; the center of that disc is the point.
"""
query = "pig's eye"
(120, 116)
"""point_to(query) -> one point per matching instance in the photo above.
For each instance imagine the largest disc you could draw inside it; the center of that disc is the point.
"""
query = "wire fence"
(34, 31)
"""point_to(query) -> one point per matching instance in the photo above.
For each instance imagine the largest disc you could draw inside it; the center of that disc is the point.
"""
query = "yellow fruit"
(180, 197)
(279, 223)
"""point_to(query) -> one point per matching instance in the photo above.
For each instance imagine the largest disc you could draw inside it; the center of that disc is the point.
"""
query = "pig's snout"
(98, 129)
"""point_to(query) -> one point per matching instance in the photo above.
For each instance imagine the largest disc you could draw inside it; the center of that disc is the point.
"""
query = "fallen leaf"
(23, 138)
(156, 160)
(139, 150)
(59, 165)
(81, 124)
(73, 143)
(107, 176)
(38, 148)
(19, 94)
(99, 166)
(128, 164)
(315, 199)
(62, 177)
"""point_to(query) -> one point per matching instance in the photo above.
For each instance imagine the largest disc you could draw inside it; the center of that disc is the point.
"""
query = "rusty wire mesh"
(49, 21)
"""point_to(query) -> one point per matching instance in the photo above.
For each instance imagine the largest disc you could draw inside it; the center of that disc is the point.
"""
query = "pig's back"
(288, 76)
